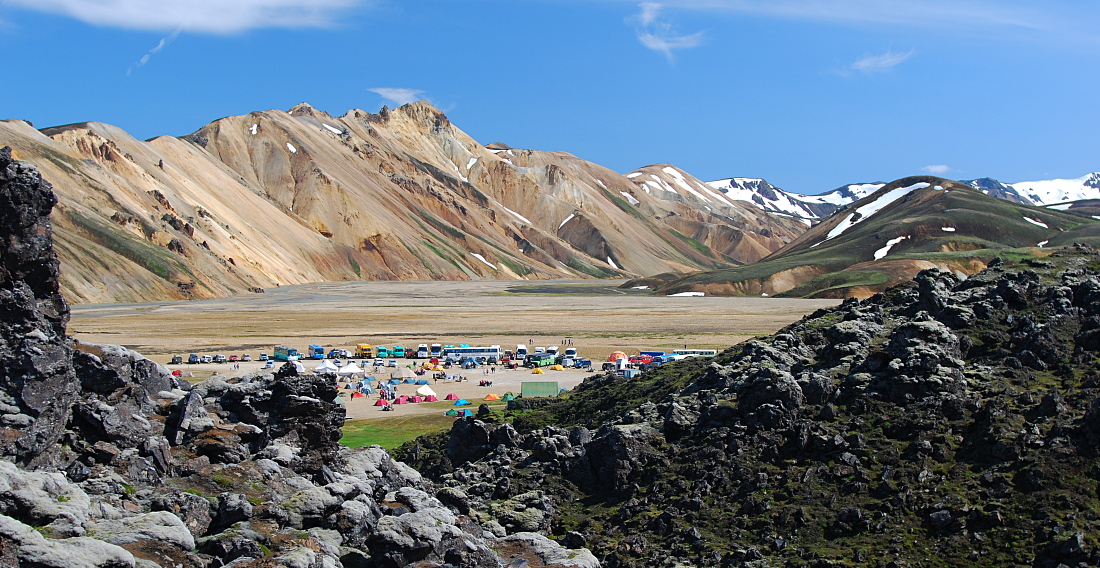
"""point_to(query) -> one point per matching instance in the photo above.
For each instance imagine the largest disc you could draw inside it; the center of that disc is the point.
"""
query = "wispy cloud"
(164, 41)
(212, 16)
(659, 35)
(881, 62)
(937, 169)
(398, 96)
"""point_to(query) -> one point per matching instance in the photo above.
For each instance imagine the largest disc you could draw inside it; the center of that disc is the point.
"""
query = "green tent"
(508, 397)
(451, 412)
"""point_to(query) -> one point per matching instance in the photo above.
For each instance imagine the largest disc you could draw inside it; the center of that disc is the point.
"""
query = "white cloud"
(164, 41)
(659, 35)
(213, 16)
(937, 169)
(881, 62)
(396, 95)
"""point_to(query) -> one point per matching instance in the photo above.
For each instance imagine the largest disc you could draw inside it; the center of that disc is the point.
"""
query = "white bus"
(437, 350)
(521, 352)
(491, 353)
(696, 352)
(422, 351)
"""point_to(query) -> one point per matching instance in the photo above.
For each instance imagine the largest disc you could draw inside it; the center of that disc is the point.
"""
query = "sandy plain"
(597, 315)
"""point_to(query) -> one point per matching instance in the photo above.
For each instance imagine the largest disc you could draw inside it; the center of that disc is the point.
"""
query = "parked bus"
(696, 352)
(541, 360)
(521, 352)
(382, 351)
(570, 353)
(492, 354)
(398, 352)
(422, 351)
(437, 350)
(284, 353)
(364, 351)
(315, 352)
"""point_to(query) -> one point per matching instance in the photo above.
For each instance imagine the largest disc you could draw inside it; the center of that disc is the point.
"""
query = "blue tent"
(461, 402)
(422, 382)
(410, 381)
(467, 413)
(395, 381)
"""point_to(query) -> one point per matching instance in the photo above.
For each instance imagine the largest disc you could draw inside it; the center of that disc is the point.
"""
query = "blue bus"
(284, 353)
(315, 352)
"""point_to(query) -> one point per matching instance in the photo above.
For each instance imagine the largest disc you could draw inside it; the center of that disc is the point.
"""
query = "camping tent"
(417, 398)
(461, 402)
(508, 397)
(326, 368)
(298, 367)
(394, 381)
(380, 402)
(409, 381)
(451, 412)
(431, 398)
(557, 368)
(492, 397)
(422, 381)
(437, 368)
(615, 356)
(451, 396)
(357, 395)
(403, 399)
(402, 373)
(177, 373)
(350, 369)
(467, 413)
(538, 371)
(425, 390)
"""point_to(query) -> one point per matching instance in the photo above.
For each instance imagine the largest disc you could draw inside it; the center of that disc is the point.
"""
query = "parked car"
(219, 358)
(234, 358)
(176, 360)
(263, 356)
(270, 364)
(206, 359)
(379, 362)
(393, 363)
(193, 358)
(246, 357)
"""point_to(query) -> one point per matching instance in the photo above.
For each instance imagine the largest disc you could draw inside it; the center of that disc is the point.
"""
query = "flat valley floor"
(598, 316)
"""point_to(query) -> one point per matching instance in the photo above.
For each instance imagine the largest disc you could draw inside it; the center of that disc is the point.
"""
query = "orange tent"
(492, 397)
(615, 356)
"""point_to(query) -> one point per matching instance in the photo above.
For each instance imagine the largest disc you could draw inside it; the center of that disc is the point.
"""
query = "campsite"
(599, 318)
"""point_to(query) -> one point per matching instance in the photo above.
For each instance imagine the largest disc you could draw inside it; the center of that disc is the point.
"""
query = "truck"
(397, 352)
(381, 351)
(364, 351)
(422, 351)
(570, 353)
(436, 351)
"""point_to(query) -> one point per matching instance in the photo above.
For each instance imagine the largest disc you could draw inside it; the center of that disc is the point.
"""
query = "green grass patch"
(392, 432)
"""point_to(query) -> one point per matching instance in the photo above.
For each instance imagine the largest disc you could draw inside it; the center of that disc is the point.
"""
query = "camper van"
(422, 351)
(521, 352)
(437, 350)
(570, 352)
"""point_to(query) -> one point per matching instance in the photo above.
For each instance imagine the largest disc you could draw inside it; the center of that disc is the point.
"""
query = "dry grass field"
(598, 316)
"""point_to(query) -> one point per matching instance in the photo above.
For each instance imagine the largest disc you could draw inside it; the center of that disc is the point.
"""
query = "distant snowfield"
(562, 224)
(633, 200)
(948, 229)
(332, 129)
(518, 216)
(291, 147)
(687, 295)
(867, 211)
(1036, 222)
(482, 259)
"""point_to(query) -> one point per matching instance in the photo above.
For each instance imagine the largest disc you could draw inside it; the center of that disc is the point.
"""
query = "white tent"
(326, 368)
(298, 366)
(425, 391)
(350, 369)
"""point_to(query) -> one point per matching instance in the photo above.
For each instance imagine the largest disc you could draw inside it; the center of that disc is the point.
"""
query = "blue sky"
(809, 94)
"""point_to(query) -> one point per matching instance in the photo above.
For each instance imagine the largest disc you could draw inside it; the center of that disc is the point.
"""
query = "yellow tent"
(437, 368)
(538, 371)
(492, 397)
(557, 368)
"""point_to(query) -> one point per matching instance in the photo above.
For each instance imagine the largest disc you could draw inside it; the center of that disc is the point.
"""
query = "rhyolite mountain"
(887, 237)
(285, 197)
(942, 422)
(108, 461)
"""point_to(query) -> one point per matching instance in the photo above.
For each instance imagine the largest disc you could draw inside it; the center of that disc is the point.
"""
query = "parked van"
(193, 359)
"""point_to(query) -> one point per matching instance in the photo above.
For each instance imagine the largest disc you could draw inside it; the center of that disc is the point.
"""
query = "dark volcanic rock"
(37, 382)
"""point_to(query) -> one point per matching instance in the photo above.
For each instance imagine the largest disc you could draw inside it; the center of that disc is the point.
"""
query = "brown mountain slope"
(287, 197)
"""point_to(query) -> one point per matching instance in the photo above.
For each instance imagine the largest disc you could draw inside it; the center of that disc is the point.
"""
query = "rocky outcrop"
(925, 425)
(37, 383)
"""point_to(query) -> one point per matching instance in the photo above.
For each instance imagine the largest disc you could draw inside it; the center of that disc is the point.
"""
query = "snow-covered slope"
(1045, 192)
(772, 199)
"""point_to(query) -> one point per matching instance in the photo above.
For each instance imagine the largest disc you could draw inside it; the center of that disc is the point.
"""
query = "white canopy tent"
(326, 368)
(425, 391)
(350, 369)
